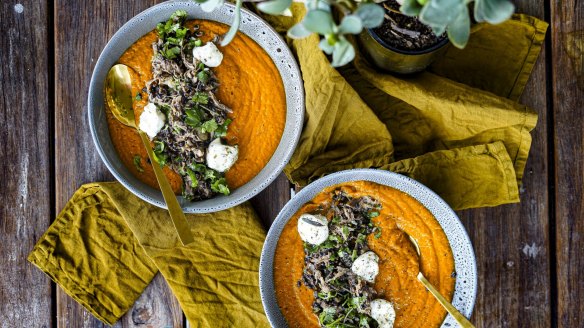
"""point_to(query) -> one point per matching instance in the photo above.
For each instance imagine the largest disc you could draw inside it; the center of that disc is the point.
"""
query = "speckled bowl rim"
(254, 27)
(464, 258)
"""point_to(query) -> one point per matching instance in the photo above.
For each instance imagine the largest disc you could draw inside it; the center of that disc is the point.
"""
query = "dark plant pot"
(396, 60)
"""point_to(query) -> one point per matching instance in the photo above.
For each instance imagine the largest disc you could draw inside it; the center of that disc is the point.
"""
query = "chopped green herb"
(220, 186)
(203, 76)
(193, 177)
(377, 234)
(201, 168)
(138, 163)
(171, 53)
(138, 96)
(221, 130)
(159, 154)
(201, 98)
(194, 117)
(345, 232)
(210, 175)
(373, 214)
(198, 43)
(209, 126)
(165, 109)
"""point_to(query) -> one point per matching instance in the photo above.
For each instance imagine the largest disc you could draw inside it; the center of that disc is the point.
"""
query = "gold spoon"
(118, 94)
(461, 319)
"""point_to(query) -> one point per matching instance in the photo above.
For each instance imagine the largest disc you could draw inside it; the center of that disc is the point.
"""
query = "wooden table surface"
(530, 255)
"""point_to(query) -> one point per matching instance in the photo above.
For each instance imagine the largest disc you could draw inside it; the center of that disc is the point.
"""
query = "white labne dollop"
(383, 312)
(366, 266)
(208, 54)
(151, 120)
(313, 229)
(221, 157)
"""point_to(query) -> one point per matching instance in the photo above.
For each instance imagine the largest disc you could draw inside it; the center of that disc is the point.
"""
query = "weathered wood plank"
(82, 29)
(270, 201)
(25, 209)
(511, 242)
(568, 99)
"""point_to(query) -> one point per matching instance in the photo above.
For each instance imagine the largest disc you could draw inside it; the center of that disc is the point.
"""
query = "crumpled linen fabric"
(448, 127)
(106, 246)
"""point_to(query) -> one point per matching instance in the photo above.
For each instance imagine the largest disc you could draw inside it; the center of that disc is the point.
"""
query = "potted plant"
(398, 35)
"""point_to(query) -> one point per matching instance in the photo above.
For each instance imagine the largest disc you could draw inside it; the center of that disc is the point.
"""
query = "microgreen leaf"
(209, 126)
(159, 153)
(220, 186)
(201, 98)
(138, 163)
(193, 178)
(221, 130)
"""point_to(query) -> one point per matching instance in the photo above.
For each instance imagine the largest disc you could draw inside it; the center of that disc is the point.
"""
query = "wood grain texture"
(25, 206)
(568, 104)
(270, 201)
(511, 241)
(82, 29)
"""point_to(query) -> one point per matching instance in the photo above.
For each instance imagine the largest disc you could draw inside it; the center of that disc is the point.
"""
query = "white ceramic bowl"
(252, 26)
(464, 259)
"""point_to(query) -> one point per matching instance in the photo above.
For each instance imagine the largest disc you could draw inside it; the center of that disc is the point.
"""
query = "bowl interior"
(252, 26)
(464, 258)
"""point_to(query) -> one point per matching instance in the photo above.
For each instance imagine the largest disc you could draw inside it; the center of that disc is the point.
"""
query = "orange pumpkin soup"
(250, 85)
(398, 261)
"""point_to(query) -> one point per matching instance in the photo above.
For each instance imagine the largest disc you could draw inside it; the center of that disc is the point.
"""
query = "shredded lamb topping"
(184, 90)
(342, 299)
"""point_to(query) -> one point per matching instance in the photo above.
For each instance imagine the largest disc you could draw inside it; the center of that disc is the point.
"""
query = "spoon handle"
(462, 320)
(176, 213)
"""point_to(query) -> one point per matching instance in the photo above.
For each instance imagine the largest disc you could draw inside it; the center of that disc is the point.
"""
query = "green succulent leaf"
(274, 7)
(343, 52)
(351, 24)
(371, 15)
(228, 37)
(411, 8)
(459, 29)
(493, 11)
(325, 46)
(439, 13)
(319, 21)
(298, 31)
(210, 5)
(318, 4)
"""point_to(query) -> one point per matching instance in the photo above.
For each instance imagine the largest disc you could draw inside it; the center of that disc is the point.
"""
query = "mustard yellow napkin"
(106, 246)
(456, 128)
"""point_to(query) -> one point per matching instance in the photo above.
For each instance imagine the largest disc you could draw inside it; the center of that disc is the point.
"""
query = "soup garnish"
(183, 116)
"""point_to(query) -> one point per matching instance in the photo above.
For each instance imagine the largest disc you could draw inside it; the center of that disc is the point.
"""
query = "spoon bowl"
(119, 94)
